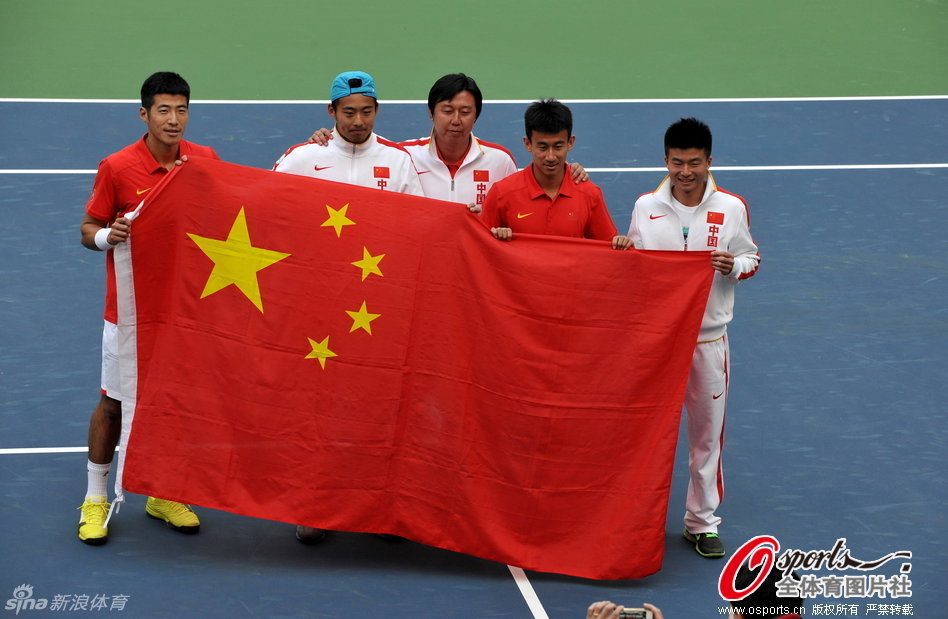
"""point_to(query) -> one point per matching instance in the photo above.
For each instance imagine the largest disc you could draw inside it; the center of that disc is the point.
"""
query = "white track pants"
(705, 402)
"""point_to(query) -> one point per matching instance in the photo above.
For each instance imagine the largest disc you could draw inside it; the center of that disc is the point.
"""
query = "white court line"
(721, 168)
(48, 171)
(42, 450)
(523, 583)
(529, 595)
(504, 101)
(753, 168)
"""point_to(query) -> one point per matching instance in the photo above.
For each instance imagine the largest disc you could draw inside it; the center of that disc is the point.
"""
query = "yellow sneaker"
(92, 529)
(178, 516)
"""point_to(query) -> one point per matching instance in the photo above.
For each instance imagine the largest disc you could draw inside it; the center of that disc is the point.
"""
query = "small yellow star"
(320, 351)
(369, 264)
(362, 319)
(236, 261)
(337, 219)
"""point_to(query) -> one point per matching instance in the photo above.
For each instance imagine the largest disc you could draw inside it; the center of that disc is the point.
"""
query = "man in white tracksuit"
(452, 163)
(357, 155)
(690, 212)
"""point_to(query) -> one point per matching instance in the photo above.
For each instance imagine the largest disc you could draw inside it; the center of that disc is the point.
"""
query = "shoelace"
(94, 513)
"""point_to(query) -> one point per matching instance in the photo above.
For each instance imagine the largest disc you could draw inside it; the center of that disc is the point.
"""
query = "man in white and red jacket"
(357, 155)
(690, 212)
(453, 164)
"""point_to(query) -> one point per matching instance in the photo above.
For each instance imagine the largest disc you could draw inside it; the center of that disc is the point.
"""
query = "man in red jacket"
(542, 198)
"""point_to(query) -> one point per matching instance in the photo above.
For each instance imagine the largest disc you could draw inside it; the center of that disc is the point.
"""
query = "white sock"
(98, 485)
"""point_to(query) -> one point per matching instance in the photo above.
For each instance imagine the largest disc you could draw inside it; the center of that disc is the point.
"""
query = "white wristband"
(102, 239)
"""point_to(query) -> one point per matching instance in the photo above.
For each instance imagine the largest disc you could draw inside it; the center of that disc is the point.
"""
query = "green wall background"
(517, 50)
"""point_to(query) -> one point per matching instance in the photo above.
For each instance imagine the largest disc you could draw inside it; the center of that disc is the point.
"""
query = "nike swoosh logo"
(325, 167)
(141, 191)
(522, 215)
(655, 216)
(715, 397)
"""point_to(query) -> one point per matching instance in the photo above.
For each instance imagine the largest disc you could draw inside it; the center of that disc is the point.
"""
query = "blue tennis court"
(836, 424)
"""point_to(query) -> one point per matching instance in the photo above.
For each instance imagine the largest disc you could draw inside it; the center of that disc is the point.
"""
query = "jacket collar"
(473, 152)
(148, 160)
(535, 191)
(349, 149)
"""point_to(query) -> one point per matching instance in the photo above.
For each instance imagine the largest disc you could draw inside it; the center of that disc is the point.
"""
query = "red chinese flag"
(481, 176)
(297, 351)
(715, 217)
(381, 172)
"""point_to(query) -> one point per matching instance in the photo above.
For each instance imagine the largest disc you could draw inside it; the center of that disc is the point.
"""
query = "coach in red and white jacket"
(689, 212)
(452, 163)
(355, 155)
(466, 181)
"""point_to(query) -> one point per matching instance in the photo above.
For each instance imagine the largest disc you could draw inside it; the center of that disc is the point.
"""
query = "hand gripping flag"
(351, 359)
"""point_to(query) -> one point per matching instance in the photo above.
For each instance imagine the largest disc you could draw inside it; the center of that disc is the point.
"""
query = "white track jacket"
(721, 222)
(377, 163)
(484, 165)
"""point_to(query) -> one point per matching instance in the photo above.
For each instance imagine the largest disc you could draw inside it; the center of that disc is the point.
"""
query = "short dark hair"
(547, 116)
(765, 597)
(688, 133)
(164, 83)
(449, 86)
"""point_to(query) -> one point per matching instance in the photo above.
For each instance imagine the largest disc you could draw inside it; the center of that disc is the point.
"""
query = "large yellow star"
(320, 351)
(236, 261)
(362, 319)
(337, 219)
(369, 264)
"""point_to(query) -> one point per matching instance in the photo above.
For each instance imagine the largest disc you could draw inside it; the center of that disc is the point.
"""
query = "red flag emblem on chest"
(381, 172)
(481, 176)
(715, 218)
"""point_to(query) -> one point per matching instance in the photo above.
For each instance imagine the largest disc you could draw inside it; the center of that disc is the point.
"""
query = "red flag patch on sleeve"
(381, 172)
(715, 218)
(481, 176)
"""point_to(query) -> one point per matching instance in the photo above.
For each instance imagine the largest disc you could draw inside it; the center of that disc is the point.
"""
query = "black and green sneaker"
(706, 544)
